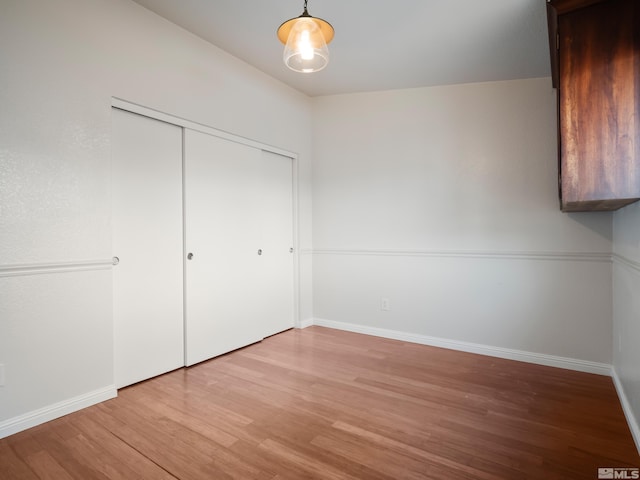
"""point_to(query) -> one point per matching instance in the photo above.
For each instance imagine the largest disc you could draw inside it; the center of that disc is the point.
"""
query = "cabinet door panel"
(147, 238)
(599, 98)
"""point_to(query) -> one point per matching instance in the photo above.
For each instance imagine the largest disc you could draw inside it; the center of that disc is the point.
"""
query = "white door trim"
(183, 122)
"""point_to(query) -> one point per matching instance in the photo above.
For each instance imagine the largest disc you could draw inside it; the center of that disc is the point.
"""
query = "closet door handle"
(189, 256)
(259, 251)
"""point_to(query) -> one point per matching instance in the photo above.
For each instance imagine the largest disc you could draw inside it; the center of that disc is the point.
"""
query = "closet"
(204, 239)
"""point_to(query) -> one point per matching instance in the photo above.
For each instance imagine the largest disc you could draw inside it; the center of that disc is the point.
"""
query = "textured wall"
(444, 200)
(626, 307)
(62, 62)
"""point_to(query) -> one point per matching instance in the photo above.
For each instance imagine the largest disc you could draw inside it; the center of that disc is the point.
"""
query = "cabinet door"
(277, 261)
(147, 238)
(222, 232)
(599, 104)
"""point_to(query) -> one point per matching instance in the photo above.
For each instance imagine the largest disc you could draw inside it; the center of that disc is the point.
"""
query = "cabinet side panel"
(598, 103)
(636, 100)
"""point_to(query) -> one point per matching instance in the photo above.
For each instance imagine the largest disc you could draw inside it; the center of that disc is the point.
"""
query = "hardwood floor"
(326, 404)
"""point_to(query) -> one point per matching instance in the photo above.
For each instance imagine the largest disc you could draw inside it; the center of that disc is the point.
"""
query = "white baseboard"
(305, 323)
(51, 412)
(626, 407)
(519, 355)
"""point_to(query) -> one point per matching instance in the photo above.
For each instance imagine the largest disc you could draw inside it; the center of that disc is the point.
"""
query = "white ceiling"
(380, 44)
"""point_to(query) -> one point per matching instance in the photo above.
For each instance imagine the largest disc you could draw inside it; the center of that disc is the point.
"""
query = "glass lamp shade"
(305, 39)
(306, 49)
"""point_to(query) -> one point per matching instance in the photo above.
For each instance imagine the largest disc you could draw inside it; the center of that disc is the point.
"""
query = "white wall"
(626, 311)
(444, 201)
(61, 63)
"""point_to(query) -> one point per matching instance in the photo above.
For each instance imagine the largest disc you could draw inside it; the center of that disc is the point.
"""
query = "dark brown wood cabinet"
(595, 57)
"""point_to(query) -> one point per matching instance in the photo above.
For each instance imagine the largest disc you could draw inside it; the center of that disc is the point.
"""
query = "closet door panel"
(222, 228)
(276, 232)
(147, 238)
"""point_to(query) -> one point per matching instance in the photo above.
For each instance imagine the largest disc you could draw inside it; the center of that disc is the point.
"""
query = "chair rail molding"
(56, 267)
(492, 254)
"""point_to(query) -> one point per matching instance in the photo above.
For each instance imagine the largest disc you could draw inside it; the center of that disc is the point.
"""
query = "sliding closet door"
(222, 232)
(147, 239)
(277, 266)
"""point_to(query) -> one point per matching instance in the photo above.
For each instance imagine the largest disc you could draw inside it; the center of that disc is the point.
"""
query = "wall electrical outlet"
(385, 305)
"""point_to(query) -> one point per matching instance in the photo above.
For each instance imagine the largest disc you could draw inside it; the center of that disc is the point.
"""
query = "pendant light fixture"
(305, 39)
